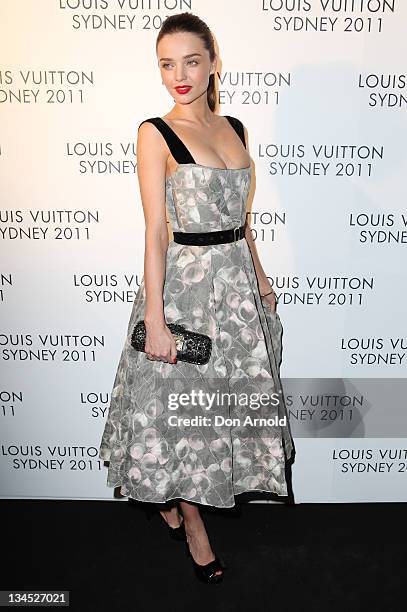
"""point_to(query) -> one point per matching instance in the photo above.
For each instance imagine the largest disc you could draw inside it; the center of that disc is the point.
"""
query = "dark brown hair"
(188, 22)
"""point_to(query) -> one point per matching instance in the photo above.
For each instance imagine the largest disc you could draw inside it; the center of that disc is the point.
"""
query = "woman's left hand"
(270, 299)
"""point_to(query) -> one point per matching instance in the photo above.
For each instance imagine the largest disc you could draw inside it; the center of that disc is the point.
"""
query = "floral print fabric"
(213, 290)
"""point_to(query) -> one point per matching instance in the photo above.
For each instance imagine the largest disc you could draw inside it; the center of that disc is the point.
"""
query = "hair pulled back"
(188, 22)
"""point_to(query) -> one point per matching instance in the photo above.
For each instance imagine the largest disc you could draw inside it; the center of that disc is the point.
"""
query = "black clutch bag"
(192, 347)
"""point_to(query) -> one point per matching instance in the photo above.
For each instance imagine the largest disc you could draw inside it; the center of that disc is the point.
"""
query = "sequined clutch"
(192, 347)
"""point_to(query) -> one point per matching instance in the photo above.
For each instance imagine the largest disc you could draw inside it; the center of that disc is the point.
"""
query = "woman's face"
(183, 60)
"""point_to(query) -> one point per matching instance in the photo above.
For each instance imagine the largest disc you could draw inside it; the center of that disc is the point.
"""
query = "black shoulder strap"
(178, 150)
(237, 125)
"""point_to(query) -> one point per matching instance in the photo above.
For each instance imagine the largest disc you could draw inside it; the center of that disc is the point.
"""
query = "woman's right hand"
(160, 344)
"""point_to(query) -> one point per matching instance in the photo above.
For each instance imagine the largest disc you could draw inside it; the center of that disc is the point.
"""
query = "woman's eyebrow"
(170, 59)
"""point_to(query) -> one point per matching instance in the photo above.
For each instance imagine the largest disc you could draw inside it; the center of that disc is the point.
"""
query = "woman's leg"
(170, 513)
(196, 534)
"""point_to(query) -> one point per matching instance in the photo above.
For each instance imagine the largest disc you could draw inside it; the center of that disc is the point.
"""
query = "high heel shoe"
(207, 573)
(177, 533)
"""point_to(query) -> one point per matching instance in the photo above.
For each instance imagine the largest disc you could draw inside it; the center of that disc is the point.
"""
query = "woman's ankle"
(172, 516)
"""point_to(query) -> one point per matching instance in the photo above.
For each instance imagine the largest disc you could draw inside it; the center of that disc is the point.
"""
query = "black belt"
(218, 237)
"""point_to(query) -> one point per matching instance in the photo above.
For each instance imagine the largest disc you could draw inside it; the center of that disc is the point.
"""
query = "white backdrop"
(321, 89)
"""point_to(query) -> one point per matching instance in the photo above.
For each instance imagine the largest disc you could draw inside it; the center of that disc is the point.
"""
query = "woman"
(196, 163)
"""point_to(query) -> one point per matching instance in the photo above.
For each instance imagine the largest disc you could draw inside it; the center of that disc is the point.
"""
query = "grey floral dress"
(160, 448)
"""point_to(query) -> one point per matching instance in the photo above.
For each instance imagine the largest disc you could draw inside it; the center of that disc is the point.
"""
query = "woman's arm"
(263, 281)
(151, 164)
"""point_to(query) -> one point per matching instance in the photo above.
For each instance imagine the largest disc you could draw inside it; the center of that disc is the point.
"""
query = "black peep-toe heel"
(177, 533)
(207, 573)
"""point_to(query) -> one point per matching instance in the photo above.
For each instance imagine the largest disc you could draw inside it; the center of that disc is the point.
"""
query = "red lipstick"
(183, 89)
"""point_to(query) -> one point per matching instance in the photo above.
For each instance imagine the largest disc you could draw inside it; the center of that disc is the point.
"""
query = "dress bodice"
(203, 198)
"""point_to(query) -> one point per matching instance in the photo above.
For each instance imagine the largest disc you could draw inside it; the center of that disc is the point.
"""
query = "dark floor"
(309, 557)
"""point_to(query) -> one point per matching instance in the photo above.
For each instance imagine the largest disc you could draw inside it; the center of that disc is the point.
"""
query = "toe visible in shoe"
(207, 573)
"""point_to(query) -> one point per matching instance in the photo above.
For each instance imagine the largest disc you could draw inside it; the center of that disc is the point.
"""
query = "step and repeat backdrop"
(321, 88)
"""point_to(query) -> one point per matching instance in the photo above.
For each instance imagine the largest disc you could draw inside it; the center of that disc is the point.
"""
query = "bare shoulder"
(152, 153)
(147, 129)
(233, 119)
(237, 124)
(149, 139)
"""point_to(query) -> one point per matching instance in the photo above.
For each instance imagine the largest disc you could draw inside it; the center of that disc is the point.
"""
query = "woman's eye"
(189, 62)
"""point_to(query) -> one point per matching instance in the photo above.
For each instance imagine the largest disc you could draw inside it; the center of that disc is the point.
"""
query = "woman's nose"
(180, 73)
